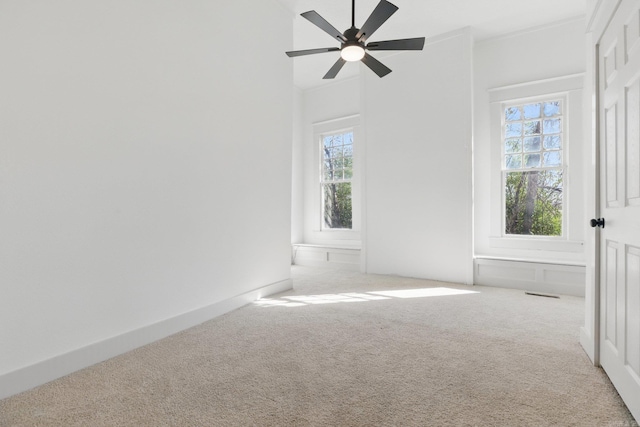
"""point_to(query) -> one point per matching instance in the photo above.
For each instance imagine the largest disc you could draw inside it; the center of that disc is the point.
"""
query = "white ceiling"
(415, 18)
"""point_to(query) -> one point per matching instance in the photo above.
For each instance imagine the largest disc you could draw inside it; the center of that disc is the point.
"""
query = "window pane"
(348, 172)
(338, 162)
(532, 128)
(532, 143)
(552, 126)
(327, 141)
(533, 203)
(336, 151)
(326, 152)
(532, 111)
(337, 205)
(513, 161)
(512, 113)
(513, 145)
(328, 175)
(552, 142)
(348, 150)
(513, 129)
(553, 158)
(328, 168)
(532, 160)
(551, 108)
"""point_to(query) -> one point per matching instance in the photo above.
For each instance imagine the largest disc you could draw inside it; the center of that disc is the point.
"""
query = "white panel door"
(619, 87)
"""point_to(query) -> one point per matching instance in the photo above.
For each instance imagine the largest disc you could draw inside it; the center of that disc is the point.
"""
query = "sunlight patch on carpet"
(303, 300)
(426, 292)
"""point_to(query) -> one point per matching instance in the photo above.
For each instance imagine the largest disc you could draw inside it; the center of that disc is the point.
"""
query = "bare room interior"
(204, 222)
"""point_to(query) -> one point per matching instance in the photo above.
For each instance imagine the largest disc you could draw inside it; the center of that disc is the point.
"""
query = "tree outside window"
(533, 174)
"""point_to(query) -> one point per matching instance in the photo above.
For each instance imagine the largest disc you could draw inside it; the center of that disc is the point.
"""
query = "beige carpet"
(342, 351)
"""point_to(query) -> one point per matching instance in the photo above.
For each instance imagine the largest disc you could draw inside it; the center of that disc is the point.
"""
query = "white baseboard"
(40, 373)
(546, 277)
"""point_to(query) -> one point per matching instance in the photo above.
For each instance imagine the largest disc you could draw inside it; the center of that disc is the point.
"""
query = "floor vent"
(540, 294)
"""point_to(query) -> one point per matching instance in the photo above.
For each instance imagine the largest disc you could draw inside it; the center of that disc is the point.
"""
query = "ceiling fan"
(353, 40)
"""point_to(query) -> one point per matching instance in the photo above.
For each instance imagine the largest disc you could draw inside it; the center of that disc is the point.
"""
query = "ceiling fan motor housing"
(350, 35)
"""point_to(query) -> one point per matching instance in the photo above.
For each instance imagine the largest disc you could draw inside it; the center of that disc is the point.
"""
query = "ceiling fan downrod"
(353, 13)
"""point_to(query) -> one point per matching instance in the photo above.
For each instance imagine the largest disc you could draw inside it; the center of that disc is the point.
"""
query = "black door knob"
(597, 222)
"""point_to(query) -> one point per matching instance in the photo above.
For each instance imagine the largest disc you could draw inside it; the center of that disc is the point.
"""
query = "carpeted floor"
(345, 349)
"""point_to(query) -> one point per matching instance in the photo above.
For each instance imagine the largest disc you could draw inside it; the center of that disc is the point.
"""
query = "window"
(530, 199)
(334, 182)
(336, 175)
(533, 172)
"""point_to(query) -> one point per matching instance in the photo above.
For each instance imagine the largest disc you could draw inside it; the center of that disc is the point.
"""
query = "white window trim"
(566, 137)
(322, 182)
(569, 88)
(340, 236)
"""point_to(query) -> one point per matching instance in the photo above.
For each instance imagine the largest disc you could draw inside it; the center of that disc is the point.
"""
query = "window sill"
(540, 244)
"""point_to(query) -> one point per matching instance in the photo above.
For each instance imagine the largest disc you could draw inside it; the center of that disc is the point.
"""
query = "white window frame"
(563, 97)
(568, 88)
(349, 237)
(322, 181)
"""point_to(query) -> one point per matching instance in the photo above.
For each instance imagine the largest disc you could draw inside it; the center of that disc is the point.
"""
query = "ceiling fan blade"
(376, 66)
(380, 14)
(404, 44)
(322, 23)
(333, 72)
(293, 53)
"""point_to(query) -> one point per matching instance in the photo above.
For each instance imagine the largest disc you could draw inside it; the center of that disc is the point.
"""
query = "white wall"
(528, 56)
(418, 167)
(145, 164)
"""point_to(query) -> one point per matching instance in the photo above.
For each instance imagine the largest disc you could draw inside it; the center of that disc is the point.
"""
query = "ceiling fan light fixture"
(352, 52)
